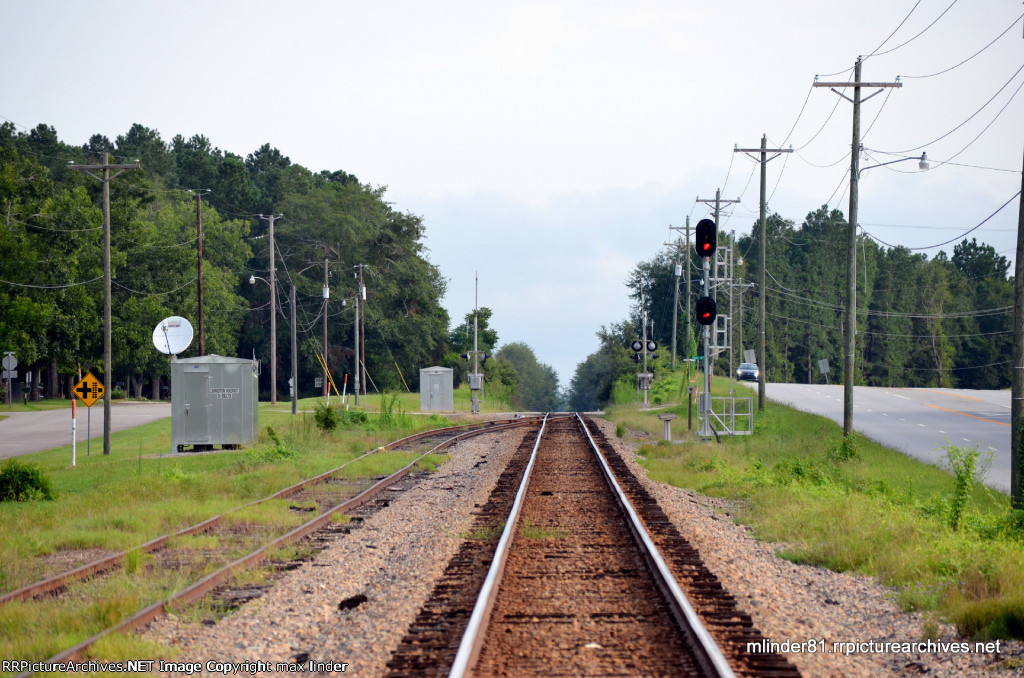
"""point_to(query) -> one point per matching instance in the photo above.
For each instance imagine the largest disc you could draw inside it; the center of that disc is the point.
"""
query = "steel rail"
(215, 579)
(473, 637)
(59, 581)
(707, 652)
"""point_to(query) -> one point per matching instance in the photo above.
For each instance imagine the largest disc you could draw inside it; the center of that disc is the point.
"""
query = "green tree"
(538, 382)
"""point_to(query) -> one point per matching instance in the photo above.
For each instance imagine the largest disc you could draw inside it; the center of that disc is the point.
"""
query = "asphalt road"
(919, 422)
(25, 432)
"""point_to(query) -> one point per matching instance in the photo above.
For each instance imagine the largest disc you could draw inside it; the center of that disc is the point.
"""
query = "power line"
(923, 31)
(947, 70)
(900, 25)
(972, 116)
(964, 235)
(50, 287)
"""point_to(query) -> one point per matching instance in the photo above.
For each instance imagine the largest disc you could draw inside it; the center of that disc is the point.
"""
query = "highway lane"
(919, 422)
(25, 432)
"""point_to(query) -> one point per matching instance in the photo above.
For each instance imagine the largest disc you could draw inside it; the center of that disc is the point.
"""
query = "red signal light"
(707, 237)
(706, 310)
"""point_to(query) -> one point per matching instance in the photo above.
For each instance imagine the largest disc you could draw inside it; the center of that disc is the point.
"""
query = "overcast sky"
(549, 145)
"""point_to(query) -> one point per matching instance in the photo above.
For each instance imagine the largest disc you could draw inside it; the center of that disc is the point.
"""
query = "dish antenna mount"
(172, 335)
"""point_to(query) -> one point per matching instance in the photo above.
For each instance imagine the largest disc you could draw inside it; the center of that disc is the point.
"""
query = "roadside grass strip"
(951, 547)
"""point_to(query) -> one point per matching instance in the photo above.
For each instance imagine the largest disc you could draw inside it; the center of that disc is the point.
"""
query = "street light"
(922, 163)
(851, 287)
(273, 338)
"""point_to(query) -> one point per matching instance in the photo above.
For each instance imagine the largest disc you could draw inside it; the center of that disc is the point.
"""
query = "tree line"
(51, 258)
(944, 321)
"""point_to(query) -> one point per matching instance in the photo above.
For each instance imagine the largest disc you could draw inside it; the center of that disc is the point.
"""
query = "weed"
(352, 419)
(620, 431)
(485, 533)
(388, 418)
(437, 421)
(176, 474)
(963, 464)
(844, 450)
(430, 462)
(131, 561)
(531, 531)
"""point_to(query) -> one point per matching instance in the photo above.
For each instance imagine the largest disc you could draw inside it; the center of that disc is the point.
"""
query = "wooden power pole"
(851, 261)
(763, 159)
(105, 177)
(1017, 383)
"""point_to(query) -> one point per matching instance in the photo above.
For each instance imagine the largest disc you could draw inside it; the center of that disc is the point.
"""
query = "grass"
(861, 508)
(140, 491)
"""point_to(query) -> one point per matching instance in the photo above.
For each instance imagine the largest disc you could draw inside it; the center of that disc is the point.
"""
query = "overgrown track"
(581, 591)
(322, 496)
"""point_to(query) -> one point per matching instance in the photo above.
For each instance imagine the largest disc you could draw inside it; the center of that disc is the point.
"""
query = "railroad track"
(252, 543)
(577, 583)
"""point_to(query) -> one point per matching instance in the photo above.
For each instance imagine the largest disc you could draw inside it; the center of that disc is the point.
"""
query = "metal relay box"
(214, 401)
(436, 389)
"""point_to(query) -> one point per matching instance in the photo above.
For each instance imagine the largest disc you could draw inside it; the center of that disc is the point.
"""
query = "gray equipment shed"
(436, 392)
(214, 401)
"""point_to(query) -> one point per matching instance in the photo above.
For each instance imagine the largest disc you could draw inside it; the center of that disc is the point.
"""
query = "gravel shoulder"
(393, 559)
(802, 603)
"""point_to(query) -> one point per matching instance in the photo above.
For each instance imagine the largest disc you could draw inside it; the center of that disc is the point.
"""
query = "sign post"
(89, 390)
(74, 414)
(9, 363)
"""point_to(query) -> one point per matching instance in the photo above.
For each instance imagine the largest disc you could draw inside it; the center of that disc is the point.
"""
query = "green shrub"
(326, 417)
(23, 482)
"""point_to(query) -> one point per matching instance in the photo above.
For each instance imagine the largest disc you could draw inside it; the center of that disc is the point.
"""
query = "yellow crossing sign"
(89, 390)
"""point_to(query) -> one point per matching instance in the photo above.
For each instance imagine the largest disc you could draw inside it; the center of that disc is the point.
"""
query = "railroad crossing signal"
(89, 390)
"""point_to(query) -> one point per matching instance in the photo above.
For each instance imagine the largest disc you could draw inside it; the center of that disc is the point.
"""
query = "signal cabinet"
(214, 401)
(436, 389)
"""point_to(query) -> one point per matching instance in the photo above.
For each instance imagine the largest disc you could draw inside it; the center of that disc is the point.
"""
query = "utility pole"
(851, 262)
(675, 303)
(689, 282)
(105, 178)
(273, 310)
(1017, 383)
(295, 359)
(355, 334)
(762, 361)
(327, 294)
(199, 238)
(362, 326)
(677, 269)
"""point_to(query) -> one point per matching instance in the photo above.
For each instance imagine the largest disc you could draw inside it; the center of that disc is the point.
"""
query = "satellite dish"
(172, 335)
